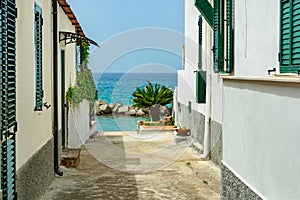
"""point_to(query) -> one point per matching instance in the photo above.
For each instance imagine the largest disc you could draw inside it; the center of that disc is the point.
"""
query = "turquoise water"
(117, 87)
(118, 123)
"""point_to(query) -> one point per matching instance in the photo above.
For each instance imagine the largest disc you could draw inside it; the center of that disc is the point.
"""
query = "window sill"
(281, 78)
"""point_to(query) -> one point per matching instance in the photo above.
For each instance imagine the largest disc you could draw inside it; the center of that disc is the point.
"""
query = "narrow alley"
(120, 165)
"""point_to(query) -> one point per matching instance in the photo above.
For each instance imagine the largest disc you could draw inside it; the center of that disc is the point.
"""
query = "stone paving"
(124, 165)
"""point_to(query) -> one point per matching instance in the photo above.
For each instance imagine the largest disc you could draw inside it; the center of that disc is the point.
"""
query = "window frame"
(38, 47)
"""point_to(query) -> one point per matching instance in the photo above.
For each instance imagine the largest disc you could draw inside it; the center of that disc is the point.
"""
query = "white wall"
(187, 77)
(261, 136)
(256, 37)
(34, 128)
(64, 24)
(79, 125)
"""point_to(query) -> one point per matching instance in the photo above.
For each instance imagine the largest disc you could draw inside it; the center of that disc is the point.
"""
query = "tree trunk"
(155, 112)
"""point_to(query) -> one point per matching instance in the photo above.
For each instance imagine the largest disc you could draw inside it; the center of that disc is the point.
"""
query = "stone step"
(70, 158)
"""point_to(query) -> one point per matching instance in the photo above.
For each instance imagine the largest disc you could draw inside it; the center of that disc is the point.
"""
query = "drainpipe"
(207, 140)
(55, 89)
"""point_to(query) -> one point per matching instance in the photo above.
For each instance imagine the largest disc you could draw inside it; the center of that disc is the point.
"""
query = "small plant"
(69, 94)
(205, 182)
(188, 163)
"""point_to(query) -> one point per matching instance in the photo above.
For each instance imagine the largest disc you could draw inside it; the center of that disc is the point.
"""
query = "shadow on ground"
(133, 168)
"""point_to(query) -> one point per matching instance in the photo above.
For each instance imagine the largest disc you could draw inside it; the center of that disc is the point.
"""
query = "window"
(8, 122)
(38, 23)
(218, 35)
(206, 10)
(229, 36)
(200, 74)
(215, 18)
(223, 41)
(290, 36)
(200, 43)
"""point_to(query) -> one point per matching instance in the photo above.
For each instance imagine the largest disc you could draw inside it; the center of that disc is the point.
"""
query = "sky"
(108, 21)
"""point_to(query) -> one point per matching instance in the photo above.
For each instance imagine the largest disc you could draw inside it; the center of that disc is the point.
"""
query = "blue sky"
(103, 19)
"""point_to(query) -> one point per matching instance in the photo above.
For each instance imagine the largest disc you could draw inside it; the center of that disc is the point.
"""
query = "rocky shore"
(103, 108)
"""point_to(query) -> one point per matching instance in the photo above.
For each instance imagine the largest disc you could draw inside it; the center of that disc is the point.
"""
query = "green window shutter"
(218, 35)
(230, 34)
(200, 43)
(38, 35)
(8, 97)
(200, 75)
(206, 11)
(200, 86)
(290, 36)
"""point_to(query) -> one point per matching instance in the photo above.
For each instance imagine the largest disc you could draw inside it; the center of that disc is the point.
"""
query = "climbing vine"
(85, 87)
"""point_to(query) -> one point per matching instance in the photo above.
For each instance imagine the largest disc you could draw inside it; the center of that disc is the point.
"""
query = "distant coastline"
(118, 87)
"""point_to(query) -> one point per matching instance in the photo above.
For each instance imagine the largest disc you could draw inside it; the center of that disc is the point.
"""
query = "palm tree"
(150, 95)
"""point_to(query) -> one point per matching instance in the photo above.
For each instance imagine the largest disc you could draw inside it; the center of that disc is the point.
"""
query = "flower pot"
(184, 132)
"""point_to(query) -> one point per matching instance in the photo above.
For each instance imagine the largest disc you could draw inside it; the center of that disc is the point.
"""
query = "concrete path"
(123, 165)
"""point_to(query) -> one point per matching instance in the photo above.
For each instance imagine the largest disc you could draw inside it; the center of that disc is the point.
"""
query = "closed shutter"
(200, 43)
(38, 58)
(230, 34)
(296, 33)
(8, 97)
(206, 10)
(200, 75)
(218, 35)
(290, 36)
(200, 86)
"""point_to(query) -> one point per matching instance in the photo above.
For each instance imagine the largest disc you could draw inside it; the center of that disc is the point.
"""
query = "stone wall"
(233, 188)
(216, 142)
(34, 177)
(196, 122)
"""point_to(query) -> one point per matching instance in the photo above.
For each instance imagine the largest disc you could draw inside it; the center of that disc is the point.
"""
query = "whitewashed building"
(199, 92)
(38, 64)
(257, 89)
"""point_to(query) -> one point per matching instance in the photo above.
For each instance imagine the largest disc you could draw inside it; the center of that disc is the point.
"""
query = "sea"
(118, 87)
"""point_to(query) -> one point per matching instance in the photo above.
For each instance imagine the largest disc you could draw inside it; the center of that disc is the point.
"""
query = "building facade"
(199, 91)
(255, 47)
(38, 64)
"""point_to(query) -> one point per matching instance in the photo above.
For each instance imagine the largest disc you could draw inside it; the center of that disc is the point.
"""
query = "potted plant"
(183, 131)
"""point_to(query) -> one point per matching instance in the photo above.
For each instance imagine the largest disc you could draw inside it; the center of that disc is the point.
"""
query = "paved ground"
(126, 166)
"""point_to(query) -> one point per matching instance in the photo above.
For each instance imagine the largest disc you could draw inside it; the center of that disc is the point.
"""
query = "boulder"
(140, 112)
(100, 102)
(165, 111)
(111, 105)
(145, 110)
(131, 112)
(98, 111)
(105, 109)
(123, 109)
(116, 107)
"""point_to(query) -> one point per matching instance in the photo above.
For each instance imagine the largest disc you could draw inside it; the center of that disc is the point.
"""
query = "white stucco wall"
(256, 37)
(79, 125)
(64, 24)
(34, 128)
(261, 136)
(187, 77)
